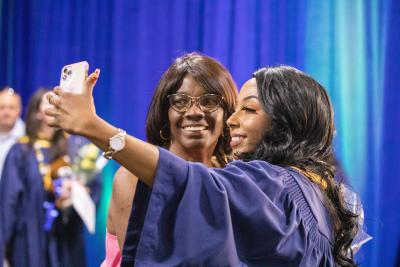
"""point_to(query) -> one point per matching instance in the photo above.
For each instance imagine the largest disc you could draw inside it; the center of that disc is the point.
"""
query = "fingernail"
(96, 74)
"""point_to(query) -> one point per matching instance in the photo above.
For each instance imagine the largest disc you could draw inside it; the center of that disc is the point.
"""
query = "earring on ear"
(163, 137)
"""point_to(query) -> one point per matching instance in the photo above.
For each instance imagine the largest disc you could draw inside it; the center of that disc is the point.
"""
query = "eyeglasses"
(206, 102)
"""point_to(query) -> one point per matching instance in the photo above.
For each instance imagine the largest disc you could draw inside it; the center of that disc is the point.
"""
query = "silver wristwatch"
(116, 143)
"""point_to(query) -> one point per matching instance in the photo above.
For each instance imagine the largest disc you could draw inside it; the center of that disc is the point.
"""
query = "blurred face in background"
(10, 109)
(41, 116)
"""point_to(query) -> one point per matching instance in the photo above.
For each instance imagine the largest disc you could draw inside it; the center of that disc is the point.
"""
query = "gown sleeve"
(220, 217)
(11, 188)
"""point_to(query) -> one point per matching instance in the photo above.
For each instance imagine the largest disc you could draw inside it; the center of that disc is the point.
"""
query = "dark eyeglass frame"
(196, 100)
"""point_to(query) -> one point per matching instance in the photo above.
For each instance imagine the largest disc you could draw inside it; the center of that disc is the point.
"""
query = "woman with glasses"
(278, 206)
(187, 116)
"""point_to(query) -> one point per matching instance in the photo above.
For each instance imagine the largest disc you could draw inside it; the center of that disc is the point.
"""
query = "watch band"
(110, 151)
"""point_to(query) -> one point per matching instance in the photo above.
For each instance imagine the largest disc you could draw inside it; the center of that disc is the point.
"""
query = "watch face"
(117, 143)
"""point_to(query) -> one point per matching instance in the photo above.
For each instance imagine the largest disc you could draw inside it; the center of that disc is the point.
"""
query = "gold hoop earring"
(163, 137)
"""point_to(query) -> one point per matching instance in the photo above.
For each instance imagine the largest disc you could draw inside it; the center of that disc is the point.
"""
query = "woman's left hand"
(73, 113)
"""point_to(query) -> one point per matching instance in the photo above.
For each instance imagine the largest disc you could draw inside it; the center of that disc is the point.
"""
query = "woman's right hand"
(73, 113)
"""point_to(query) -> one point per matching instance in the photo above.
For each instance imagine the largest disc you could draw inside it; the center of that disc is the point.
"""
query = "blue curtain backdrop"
(351, 47)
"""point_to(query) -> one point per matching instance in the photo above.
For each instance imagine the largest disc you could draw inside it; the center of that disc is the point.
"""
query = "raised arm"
(76, 114)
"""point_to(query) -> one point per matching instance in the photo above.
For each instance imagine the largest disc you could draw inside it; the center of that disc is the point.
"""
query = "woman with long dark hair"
(298, 136)
(278, 206)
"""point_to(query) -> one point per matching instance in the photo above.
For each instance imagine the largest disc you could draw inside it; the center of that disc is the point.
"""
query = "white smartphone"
(73, 77)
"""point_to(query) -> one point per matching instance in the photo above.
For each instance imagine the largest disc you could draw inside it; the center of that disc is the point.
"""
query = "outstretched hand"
(76, 114)
(73, 112)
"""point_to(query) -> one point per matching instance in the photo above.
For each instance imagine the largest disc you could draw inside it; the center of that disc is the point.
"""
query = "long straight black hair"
(300, 134)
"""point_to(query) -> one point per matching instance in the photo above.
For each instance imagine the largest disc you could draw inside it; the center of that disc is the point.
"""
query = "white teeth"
(237, 138)
(194, 128)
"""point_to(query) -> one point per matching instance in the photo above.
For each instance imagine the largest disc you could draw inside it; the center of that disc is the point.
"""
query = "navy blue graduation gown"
(22, 215)
(135, 224)
(247, 214)
(21, 210)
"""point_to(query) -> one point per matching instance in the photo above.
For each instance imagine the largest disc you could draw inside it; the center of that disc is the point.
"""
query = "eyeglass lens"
(182, 102)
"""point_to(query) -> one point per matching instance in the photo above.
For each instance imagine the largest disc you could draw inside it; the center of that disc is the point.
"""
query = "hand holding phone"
(74, 112)
(73, 77)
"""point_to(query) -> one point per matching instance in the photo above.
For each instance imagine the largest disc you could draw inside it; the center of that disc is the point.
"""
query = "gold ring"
(51, 97)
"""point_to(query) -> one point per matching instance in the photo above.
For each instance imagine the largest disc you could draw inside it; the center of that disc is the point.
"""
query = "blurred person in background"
(38, 226)
(11, 125)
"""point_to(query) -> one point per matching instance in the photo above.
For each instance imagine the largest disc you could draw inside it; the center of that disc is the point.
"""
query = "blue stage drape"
(351, 47)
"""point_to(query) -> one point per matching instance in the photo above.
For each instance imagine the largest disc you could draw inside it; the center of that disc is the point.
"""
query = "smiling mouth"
(237, 140)
(194, 128)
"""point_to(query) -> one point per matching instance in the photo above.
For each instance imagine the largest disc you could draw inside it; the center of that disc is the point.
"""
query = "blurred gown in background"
(23, 216)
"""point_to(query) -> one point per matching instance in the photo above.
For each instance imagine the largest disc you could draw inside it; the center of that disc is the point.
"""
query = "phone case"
(73, 76)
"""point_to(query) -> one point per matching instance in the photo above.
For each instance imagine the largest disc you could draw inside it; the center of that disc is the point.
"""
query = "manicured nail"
(96, 74)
